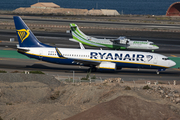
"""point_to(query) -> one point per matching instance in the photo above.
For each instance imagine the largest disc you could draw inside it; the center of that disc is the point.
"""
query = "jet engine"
(107, 66)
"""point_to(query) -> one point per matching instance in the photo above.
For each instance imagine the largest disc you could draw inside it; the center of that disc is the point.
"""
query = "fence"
(79, 79)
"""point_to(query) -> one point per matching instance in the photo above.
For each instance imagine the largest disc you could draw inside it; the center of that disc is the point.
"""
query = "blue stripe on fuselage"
(51, 59)
(70, 62)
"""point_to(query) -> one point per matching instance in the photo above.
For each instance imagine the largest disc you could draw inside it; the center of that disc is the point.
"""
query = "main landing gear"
(92, 69)
(158, 71)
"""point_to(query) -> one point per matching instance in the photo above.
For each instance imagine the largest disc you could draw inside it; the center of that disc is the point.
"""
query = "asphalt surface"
(13, 64)
(168, 46)
(66, 21)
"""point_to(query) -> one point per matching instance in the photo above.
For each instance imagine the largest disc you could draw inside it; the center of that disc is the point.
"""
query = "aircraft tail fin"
(25, 37)
(77, 33)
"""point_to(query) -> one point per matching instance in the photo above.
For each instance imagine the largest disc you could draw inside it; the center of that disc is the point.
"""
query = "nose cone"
(172, 63)
(155, 47)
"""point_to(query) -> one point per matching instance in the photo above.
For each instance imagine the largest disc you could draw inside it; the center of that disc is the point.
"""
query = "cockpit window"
(122, 38)
(165, 58)
(151, 43)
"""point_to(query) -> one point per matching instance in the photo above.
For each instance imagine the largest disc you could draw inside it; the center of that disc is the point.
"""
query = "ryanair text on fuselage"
(121, 56)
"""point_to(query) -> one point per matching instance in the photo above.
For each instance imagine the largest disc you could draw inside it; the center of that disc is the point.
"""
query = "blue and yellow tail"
(25, 37)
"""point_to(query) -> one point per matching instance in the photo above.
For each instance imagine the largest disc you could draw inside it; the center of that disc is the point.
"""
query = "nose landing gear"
(160, 70)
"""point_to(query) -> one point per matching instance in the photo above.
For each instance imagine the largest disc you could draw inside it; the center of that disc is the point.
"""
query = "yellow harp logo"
(23, 34)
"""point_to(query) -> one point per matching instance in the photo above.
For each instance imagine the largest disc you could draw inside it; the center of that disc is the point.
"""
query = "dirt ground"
(127, 108)
(42, 97)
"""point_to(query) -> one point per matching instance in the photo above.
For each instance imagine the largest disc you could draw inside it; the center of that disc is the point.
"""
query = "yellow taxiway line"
(173, 56)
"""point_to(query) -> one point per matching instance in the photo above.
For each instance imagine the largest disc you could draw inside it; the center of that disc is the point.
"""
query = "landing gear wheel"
(92, 69)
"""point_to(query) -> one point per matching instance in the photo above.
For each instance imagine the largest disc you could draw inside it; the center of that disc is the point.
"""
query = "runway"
(13, 64)
(167, 46)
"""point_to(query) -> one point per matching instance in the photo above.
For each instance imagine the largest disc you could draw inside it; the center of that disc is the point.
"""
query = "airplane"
(103, 60)
(120, 43)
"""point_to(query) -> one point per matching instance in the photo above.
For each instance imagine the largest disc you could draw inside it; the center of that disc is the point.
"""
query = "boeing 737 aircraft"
(119, 43)
(30, 46)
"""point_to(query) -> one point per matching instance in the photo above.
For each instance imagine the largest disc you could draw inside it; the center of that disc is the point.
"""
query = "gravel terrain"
(42, 97)
(127, 108)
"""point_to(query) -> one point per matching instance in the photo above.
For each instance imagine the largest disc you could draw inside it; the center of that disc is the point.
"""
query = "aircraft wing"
(79, 61)
(86, 62)
(114, 40)
(120, 40)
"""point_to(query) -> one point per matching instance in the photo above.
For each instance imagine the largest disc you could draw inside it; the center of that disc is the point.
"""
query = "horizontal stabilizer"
(22, 50)
(71, 39)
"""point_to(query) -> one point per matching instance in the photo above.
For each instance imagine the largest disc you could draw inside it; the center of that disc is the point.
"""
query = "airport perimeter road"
(90, 21)
(107, 24)
(13, 64)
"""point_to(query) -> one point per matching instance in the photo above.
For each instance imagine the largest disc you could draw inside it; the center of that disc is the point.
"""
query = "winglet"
(81, 45)
(59, 53)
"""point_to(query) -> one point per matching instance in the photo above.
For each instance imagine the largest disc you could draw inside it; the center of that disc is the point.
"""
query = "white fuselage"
(146, 45)
(121, 58)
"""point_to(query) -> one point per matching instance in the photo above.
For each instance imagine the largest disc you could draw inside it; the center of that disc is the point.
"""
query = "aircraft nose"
(156, 47)
(172, 63)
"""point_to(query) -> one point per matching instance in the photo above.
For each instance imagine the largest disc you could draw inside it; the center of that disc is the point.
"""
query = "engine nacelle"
(120, 40)
(107, 66)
